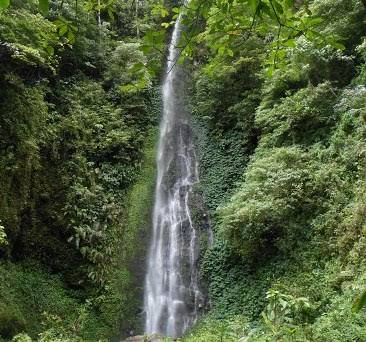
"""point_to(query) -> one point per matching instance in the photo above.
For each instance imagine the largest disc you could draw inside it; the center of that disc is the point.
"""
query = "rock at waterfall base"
(141, 338)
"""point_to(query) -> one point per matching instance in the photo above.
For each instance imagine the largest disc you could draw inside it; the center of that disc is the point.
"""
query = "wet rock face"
(141, 338)
(173, 295)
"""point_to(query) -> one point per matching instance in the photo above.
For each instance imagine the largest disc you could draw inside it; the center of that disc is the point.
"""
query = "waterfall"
(172, 293)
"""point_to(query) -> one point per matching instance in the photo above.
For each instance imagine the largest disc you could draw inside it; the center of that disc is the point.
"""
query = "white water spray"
(172, 293)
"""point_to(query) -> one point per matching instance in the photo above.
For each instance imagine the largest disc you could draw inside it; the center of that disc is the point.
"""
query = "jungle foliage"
(278, 97)
(77, 103)
(282, 169)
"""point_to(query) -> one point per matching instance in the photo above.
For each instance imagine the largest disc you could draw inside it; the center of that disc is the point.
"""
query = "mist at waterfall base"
(172, 293)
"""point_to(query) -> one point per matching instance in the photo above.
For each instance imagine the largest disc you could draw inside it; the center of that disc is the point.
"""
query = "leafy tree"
(224, 26)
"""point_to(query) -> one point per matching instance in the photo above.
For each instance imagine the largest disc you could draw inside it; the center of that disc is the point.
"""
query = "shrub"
(321, 64)
(11, 322)
(304, 118)
(29, 40)
(229, 330)
(270, 208)
(21, 338)
(224, 98)
(127, 69)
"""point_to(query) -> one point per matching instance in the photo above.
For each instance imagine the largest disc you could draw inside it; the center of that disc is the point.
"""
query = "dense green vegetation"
(278, 99)
(282, 171)
(75, 114)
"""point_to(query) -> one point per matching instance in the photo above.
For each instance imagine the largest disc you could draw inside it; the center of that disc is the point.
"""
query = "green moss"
(140, 197)
(136, 236)
(26, 292)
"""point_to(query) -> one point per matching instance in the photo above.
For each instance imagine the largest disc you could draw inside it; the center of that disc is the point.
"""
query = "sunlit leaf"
(176, 10)
(289, 4)
(136, 67)
(335, 44)
(290, 43)
(253, 5)
(4, 3)
(164, 12)
(43, 6)
(62, 30)
(278, 7)
(110, 13)
(71, 37)
(50, 50)
(312, 21)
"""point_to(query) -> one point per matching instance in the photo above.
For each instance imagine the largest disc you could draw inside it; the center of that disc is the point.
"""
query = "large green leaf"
(253, 5)
(43, 6)
(4, 3)
(360, 302)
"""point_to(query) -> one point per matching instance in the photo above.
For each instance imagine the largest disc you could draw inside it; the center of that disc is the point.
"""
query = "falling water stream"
(172, 293)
